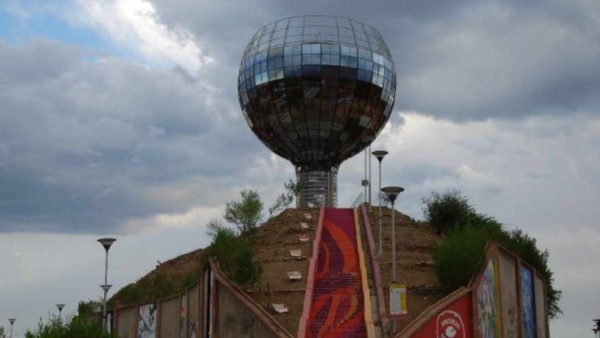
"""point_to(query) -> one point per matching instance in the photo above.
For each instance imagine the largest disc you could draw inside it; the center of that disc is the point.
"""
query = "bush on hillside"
(467, 232)
(283, 201)
(448, 210)
(234, 256)
(85, 325)
(245, 213)
(459, 256)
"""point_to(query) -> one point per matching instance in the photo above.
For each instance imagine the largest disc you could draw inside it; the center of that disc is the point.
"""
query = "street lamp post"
(106, 243)
(392, 193)
(380, 154)
(60, 307)
(370, 203)
(12, 321)
(365, 182)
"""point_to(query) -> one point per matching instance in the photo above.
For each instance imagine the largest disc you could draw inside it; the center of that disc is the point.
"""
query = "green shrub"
(459, 256)
(467, 232)
(77, 327)
(245, 213)
(447, 210)
(234, 256)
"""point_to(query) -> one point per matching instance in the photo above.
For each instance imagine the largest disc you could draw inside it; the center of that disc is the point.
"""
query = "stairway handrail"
(310, 278)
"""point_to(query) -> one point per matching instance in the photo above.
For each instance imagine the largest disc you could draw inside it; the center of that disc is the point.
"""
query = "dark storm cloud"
(86, 146)
(460, 60)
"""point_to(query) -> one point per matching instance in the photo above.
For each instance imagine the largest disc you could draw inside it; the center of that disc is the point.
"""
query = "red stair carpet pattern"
(338, 301)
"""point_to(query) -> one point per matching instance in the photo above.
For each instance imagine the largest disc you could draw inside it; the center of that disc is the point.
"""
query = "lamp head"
(106, 242)
(380, 154)
(392, 192)
(106, 287)
(12, 320)
(60, 306)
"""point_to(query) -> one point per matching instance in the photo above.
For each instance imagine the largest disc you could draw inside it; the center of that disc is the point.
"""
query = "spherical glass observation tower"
(317, 90)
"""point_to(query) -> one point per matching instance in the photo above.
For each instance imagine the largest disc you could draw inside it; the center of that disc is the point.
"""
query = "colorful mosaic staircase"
(338, 303)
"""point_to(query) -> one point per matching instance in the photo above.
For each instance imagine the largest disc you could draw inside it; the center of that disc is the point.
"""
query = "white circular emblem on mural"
(450, 325)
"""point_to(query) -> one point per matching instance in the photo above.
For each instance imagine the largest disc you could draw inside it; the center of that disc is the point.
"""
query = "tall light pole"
(60, 307)
(380, 154)
(365, 182)
(12, 321)
(392, 193)
(106, 243)
(370, 203)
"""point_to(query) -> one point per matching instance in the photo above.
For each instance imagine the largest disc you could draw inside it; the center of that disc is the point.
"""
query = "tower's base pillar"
(319, 188)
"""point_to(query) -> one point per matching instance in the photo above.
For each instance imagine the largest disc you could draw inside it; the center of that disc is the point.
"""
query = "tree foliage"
(283, 201)
(234, 256)
(85, 324)
(467, 232)
(447, 210)
(245, 213)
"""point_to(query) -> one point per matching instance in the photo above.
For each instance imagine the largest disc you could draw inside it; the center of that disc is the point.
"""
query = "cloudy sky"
(120, 118)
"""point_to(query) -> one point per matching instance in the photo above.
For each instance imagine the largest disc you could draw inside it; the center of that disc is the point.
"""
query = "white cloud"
(136, 24)
(196, 217)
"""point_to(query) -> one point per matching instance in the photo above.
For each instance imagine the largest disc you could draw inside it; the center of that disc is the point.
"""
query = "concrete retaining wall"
(237, 321)
(127, 322)
(233, 314)
(169, 317)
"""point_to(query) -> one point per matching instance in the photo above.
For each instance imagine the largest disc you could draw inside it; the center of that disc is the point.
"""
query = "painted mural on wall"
(454, 321)
(147, 321)
(487, 303)
(450, 325)
(527, 302)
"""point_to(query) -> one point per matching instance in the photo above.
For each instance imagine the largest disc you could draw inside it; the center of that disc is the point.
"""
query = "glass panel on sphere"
(279, 34)
(297, 21)
(319, 21)
(334, 60)
(329, 30)
(346, 40)
(311, 70)
(343, 22)
(346, 33)
(287, 50)
(365, 54)
(281, 24)
(345, 60)
(275, 52)
(360, 34)
(306, 49)
(314, 59)
(295, 31)
(294, 39)
(312, 30)
(297, 60)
